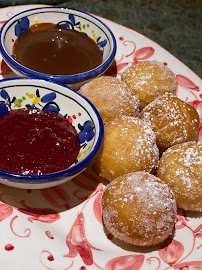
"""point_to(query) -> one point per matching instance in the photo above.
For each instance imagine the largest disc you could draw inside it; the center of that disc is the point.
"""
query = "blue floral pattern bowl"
(24, 92)
(69, 18)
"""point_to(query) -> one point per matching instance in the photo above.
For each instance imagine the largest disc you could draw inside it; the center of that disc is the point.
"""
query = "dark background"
(174, 24)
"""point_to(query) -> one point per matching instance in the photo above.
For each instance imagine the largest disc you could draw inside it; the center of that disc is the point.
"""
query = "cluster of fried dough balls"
(150, 153)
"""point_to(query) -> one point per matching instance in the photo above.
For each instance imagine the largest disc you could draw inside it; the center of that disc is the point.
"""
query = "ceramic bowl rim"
(67, 79)
(56, 176)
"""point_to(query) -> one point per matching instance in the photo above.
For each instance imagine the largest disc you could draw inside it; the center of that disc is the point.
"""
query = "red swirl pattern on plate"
(62, 226)
(5, 211)
(129, 262)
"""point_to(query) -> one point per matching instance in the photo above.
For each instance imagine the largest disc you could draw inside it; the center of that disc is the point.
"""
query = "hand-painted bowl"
(24, 92)
(70, 18)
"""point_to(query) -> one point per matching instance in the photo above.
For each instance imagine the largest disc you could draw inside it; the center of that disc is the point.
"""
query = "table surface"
(173, 24)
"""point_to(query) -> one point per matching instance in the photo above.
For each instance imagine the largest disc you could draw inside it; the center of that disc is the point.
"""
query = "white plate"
(61, 227)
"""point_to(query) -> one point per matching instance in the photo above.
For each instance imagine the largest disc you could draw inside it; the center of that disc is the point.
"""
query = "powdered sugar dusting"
(181, 168)
(112, 97)
(139, 209)
(172, 120)
(129, 145)
(149, 79)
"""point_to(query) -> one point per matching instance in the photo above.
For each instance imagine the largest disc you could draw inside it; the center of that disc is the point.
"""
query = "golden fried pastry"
(172, 120)
(181, 168)
(148, 80)
(139, 209)
(112, 97)
(129, 145)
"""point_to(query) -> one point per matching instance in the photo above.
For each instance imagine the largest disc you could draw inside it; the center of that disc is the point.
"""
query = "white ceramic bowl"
(23, 92)
(73, 19)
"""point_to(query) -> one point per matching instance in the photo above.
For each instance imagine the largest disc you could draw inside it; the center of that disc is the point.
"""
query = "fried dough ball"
(112, 97)
(148, 80)
(129, 145)
(172, 120)
(181, 168)
(139, 209)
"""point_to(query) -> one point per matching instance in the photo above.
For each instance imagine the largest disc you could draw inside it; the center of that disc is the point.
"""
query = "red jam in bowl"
(36, 142)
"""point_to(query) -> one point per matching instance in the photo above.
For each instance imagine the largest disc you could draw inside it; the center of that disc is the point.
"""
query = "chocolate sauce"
(53, 49)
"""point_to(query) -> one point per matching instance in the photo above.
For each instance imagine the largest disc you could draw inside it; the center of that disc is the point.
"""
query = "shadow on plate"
(189, 214)
(55, 199)
(137, 249)
(5, 71)
(112, 70)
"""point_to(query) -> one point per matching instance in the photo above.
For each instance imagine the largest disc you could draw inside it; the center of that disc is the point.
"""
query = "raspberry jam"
(36, 142)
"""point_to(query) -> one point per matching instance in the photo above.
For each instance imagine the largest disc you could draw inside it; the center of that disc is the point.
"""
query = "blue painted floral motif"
(86, 132)
(48, 100)
(72, 24)
(3, 108)
(50, 104)
(48, 97)
(21, 26)
(102, 43)
(6, 103)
